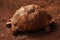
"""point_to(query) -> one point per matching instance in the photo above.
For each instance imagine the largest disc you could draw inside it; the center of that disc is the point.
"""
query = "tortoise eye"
(9, 25)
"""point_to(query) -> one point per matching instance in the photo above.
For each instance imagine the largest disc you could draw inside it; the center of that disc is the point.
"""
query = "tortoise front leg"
(47, 29)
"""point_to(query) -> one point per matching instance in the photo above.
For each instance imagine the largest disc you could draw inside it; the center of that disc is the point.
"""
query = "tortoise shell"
(29, 18)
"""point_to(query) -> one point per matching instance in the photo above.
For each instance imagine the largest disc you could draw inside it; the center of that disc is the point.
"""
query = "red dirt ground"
(8, 8)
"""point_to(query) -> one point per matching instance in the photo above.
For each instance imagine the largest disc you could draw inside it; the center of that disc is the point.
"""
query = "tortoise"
(29, 18)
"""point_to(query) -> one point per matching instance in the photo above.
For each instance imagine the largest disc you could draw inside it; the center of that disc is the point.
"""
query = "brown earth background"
(8, 8)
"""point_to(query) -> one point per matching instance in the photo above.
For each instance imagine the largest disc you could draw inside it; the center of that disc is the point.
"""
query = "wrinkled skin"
(29, 18)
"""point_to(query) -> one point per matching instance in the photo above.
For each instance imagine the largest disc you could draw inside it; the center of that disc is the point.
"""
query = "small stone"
(2, 34)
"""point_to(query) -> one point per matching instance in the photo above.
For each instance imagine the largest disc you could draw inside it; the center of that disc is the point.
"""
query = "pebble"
(2, 34)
